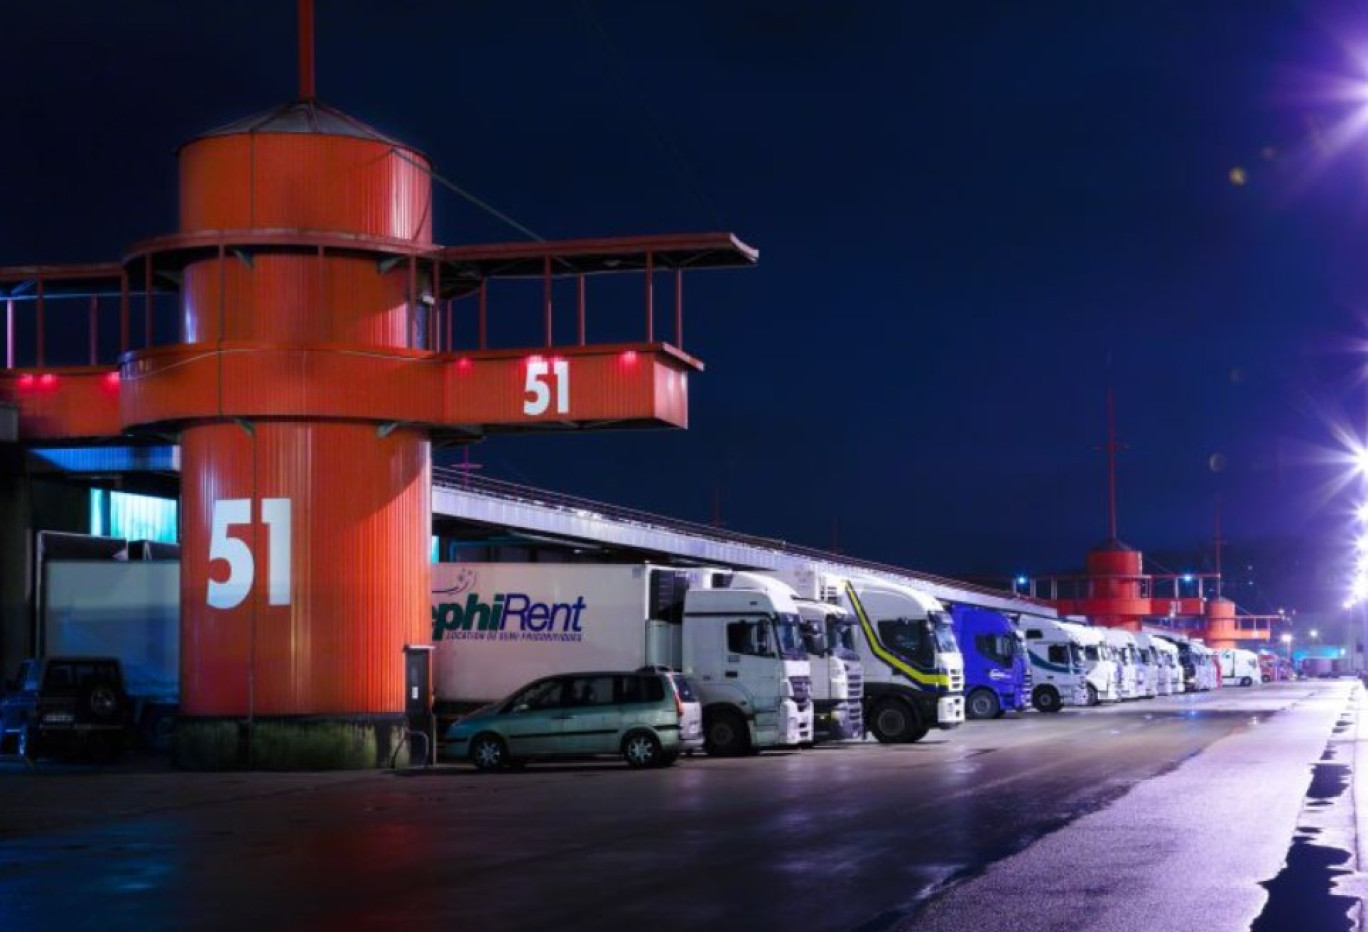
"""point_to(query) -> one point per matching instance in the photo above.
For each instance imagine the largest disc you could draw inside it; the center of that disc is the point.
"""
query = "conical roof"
(303, 116)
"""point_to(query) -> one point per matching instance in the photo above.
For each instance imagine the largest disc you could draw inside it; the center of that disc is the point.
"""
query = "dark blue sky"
(972, 218)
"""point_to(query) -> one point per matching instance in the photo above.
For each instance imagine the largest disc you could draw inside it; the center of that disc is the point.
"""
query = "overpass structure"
(573, 521)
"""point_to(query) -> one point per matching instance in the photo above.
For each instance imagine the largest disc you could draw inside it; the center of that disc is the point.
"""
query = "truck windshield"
(910, 639)
(1076, 654)
(813, 640)
(944, 627)
(788, 634)
(1092, 652)
(841, 635)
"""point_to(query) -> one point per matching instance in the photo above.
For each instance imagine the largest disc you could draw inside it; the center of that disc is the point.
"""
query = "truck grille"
(1027, 680)
(957, 681)
(802, 690)
(854, 686)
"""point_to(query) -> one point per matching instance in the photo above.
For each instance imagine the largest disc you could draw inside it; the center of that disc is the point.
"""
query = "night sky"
(972, 218)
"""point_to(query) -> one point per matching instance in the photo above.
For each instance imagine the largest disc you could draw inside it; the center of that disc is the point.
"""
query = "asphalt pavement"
(1230, 810)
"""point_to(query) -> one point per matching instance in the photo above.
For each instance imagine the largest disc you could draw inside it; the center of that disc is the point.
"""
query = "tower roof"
(303, 116)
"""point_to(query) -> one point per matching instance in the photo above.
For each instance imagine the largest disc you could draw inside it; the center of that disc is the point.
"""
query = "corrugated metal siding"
(360, 524)
(296, 299)
(305, 181)
(57, 404)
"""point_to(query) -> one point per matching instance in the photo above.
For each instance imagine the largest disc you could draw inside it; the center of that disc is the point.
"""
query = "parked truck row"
(778, 659)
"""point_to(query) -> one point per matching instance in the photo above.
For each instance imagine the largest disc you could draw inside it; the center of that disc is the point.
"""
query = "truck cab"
(1239, 667)
(743, 648)
(997, 672)
(837, 674)
(1130, 679)
(1151, 678)
(914, 673)
(1059, 666)
(1170, 670)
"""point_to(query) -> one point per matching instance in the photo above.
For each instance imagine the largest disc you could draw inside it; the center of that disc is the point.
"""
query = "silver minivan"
(647, 716)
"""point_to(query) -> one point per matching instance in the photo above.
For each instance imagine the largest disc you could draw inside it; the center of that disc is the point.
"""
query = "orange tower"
(314, 361)
(1115, 591)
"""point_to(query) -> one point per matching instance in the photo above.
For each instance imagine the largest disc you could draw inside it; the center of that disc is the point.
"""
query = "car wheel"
(488, 753)
(641, 749)
(1046, 699)
(982, 703)
(893, 721)
(725, 735)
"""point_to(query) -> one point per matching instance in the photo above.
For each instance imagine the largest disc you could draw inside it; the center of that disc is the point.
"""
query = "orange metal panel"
(296, 299)
(321, 627)
(592, 387)
(568, 386)
(305, 181)
(64, 403)
(184, 383)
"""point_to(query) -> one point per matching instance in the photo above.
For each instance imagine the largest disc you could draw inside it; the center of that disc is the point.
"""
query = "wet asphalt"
(1229, 810)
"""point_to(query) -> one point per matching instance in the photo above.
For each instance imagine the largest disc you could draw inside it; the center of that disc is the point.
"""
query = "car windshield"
(788, 633)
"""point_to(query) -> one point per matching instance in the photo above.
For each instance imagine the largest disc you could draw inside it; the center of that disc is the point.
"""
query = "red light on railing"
(47, 380)
(533, 360)
(628, 357)
(464, 364)
(26, 380)
(111, 379)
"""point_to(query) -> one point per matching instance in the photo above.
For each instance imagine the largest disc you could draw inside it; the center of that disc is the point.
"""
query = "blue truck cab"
(997, 672)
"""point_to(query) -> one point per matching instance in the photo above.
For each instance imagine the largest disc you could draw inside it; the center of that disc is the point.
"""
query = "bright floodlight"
(1287, 639)
(1362, 512)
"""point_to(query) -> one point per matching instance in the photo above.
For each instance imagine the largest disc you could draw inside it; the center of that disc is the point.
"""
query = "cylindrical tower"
(305, 535)
(1115, 572)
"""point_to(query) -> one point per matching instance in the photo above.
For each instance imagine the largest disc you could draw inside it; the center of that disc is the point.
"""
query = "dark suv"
(74, 705)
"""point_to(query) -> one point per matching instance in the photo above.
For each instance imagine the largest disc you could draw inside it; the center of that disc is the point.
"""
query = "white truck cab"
(1148, 670)
(1060, 670)
(1170, 666)
(914, 673)
(1122, 644)
(837, 674)
(1239, 667)
(744, 650)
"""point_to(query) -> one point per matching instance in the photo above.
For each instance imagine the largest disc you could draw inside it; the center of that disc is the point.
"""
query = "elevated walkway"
(494, 503)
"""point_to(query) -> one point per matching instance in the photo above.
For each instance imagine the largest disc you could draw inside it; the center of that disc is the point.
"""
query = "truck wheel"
(1246, 681)
(487, 753)
(641, 749)
(725, 735)
(1046, 699)
(1093, 697)
(892, 721)
(982, 703)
